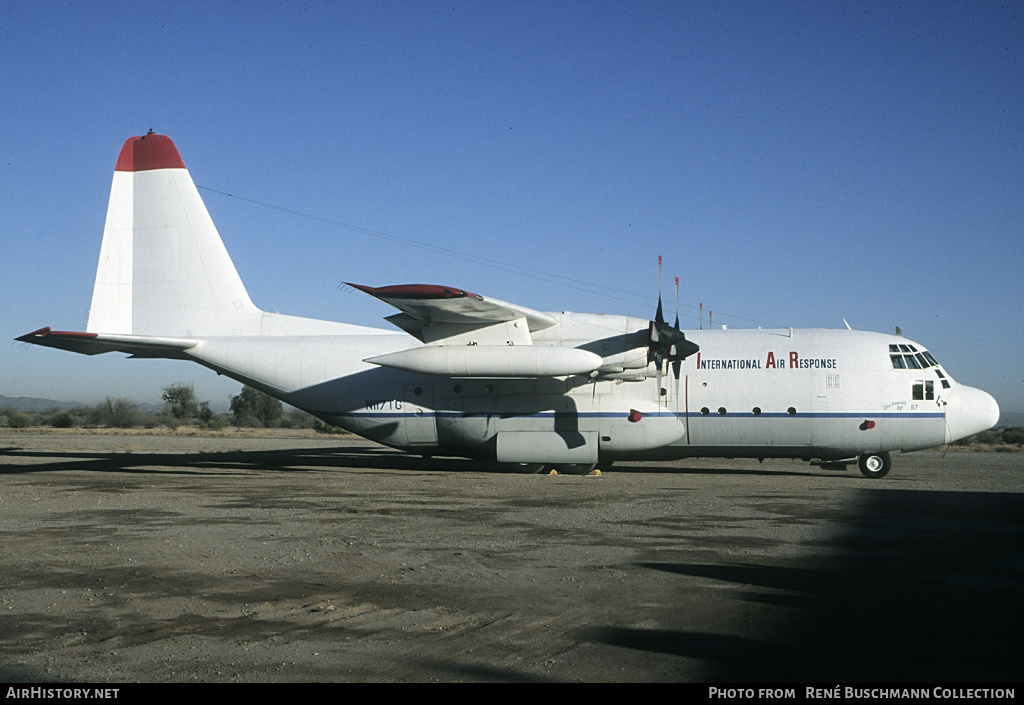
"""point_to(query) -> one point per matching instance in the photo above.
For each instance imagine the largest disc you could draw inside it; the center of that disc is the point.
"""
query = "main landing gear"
(559, 468)
(574, 468)
(874, 464)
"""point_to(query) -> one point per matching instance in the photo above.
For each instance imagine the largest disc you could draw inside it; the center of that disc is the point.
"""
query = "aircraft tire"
(524, 468)
(875, 465)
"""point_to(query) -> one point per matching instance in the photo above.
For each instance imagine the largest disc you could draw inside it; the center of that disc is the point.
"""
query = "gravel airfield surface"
(226, 559)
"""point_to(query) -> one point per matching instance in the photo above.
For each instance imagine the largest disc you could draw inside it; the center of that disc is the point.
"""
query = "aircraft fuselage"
(802, 393)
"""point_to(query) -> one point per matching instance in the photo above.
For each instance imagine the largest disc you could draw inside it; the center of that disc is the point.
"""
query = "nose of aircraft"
(969, 411)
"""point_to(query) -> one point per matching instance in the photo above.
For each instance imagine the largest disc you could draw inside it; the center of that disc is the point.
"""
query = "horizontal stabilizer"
(97, 343)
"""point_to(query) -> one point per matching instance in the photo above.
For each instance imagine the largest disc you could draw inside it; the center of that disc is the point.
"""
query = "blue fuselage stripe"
(619, 414)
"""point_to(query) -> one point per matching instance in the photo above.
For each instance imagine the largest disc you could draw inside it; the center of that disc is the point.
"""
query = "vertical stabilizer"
(163, 268)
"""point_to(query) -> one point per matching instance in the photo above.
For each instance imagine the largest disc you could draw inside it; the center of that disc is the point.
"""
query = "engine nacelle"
(557, 429)
(491, 361)
(645, 426)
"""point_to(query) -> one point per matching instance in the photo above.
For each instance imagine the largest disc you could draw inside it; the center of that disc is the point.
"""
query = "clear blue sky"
(794, 163)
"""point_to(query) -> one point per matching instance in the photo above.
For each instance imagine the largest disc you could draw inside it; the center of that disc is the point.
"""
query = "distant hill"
(35, 404)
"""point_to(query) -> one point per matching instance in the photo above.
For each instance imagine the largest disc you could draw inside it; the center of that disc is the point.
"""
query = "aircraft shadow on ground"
(366, 457)
(921, 587)
(222, 462)
(770, 470)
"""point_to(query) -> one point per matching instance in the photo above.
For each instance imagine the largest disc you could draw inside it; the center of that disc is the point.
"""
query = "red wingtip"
(413, 291)
(34, 334)
(149, 152)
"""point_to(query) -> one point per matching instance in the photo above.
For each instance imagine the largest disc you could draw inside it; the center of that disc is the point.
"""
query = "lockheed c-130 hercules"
(470, 376)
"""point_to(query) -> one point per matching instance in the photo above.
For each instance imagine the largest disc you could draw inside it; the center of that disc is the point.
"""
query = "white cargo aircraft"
(475, 377)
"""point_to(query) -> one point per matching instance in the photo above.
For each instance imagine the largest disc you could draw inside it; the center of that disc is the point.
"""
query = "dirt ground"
(182, 559)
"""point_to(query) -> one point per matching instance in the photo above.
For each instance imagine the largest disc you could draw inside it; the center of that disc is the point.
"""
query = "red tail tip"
(149, 152)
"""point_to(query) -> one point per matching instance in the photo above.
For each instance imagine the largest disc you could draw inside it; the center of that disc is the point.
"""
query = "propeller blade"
(659, 316)
(677, 303)
(672, 349)
(677, 362)
(667, 343)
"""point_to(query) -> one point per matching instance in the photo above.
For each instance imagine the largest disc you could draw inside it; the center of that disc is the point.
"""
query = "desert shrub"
(15, 418)
(60, 419)
(252, 407)
(296, 418)
(116, 413)
(180, 400)
(998, 437)
(182, 406)
(1013, 435)
(323, 427)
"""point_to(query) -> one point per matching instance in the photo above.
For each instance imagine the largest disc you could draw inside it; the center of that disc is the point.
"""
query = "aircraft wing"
(97, 343)
(435, 313)
(467, 335)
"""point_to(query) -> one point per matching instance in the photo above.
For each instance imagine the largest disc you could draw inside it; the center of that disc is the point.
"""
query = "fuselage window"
(923, 390)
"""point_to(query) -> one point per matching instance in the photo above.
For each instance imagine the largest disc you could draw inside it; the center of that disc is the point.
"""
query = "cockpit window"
(907, 357)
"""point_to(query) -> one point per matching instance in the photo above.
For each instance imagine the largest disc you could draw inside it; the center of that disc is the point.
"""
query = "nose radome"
(968, 411)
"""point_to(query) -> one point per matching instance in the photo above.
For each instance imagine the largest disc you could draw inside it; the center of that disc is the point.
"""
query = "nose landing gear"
(874, 465)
